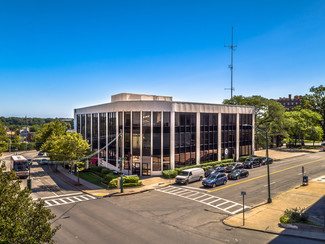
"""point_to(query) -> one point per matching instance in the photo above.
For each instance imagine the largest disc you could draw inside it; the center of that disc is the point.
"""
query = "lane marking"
(270, 184)
(207, 199)
(261, 176)
(198, 189)
(64, 195)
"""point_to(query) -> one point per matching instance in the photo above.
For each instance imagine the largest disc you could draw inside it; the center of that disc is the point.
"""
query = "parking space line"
(261, 176)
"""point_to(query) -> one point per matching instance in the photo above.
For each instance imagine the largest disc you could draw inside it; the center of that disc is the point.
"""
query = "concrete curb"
(272, 232)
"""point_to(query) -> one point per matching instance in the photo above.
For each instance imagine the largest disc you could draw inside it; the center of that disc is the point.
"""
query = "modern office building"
(158, 133)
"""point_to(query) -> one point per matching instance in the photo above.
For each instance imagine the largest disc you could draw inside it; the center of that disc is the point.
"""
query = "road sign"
(243, 193)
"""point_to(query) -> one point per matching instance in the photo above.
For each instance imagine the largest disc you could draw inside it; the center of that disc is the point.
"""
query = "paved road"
(159, 217)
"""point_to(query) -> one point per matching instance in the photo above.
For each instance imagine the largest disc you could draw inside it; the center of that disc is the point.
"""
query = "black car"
(40, 153)
(252, 162)
(214, 171)
(268, 161)
(230, 168)
(237, 174)
(239, 166)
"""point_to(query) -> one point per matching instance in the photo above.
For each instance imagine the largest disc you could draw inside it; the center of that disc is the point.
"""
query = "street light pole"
(269, 199)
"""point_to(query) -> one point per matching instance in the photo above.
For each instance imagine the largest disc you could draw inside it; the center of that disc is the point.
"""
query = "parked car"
(237, 174)
(40, 153)
(252, 162)
(230, 168)
(43, 161)
(239, 166)
(215, 179)
(214, 171)
(269, 161)
(189, 175)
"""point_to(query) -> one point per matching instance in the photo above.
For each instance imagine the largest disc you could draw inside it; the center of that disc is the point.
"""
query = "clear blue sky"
(60, 55)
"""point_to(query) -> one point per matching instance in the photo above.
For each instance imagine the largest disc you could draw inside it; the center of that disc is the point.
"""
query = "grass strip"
(92, 178)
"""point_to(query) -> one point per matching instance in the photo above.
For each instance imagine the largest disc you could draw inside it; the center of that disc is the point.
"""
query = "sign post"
(243, 193)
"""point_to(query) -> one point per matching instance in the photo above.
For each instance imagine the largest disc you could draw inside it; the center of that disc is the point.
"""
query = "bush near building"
(128, 181)
(294, 215)
(173, 173)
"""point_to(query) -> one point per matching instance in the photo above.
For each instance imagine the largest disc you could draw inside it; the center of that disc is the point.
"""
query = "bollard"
(29, 184)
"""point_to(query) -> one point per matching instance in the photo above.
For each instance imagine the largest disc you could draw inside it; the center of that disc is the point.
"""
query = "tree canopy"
(52, 129)
(3, 139)
(315, 101)
(66, 147)
(22, 220)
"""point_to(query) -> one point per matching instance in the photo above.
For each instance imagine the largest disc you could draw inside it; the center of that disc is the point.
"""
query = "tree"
(3, 139)
(52, 129)
(67, 147)
(22, 220)
(315, 133)
(303, 124)
(316, 102)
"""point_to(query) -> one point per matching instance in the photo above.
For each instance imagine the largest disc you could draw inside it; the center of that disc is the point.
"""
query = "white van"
(189, 175)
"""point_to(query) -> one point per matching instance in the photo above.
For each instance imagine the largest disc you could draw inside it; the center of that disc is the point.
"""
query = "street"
(161, 217)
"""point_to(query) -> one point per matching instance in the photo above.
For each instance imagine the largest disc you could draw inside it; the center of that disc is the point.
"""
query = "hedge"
(108, 177)
(169, 174)
(128, 181)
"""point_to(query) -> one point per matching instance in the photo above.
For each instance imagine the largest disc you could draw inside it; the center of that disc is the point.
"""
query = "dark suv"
(252, 162)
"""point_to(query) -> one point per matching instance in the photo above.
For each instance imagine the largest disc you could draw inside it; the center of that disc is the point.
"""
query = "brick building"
(290, 103)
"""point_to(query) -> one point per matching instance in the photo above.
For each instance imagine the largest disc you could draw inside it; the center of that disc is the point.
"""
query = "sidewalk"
(89, 188)
(266, 217)
(283, 153)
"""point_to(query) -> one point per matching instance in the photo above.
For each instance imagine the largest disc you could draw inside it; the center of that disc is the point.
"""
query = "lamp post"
(269, 199)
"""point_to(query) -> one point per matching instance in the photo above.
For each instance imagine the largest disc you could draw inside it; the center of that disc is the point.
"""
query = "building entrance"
(136, 168)
(146, 169)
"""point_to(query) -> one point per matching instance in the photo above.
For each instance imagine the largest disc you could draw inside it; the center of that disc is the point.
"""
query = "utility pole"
(231, 66)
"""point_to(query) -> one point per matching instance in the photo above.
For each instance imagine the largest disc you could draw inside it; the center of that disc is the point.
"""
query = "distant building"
(290, 103)
(159, 133)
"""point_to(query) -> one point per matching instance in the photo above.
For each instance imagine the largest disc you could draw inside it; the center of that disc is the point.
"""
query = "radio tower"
(231, 66)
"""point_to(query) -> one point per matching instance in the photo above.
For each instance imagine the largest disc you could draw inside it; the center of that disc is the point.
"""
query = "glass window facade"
(156, 150)
(102, 135)
(228, 135)
(95, 132)
(245, 134)
(136, 143)
(83, 122)
(127, 140)
(166, 141)
(120, 139)
(208, 137)
(185, 139)
(88, 127)
(146, 143)
(111, 136)
(78, 123)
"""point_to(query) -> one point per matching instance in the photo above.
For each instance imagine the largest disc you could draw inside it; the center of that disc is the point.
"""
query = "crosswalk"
(67, 199)
(207, 199)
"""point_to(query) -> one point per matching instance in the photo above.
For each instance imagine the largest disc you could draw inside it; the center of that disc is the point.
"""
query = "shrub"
(169, 174)
(132, 184)
(113, 184)
(294, 215)
(96, 168)
(107, 179)
(105, 171)
(131, 179)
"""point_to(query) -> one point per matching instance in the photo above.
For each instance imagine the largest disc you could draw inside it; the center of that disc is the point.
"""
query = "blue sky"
(59, 55)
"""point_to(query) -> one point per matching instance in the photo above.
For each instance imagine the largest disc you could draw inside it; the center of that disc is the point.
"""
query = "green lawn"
(92, 178)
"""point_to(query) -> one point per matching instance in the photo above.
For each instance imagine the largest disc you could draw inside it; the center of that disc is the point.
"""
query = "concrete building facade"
(158, 133)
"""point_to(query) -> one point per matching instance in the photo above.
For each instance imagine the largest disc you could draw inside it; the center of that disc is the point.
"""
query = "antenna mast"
(231, 66)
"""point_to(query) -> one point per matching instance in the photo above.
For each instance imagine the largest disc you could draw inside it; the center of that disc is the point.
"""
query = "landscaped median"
(106, 178)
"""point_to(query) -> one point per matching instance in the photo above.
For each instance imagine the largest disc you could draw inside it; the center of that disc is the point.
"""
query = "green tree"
(4, 140)
(315, 101)
(315, 133)
(302, 124)
(49, 130)
(67, 147)
(22, 220)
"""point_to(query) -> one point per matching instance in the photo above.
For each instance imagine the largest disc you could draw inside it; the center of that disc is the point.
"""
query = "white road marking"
(270, 184)
(198, 189)
(64, 195)
(56, 201)
(204, 198)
